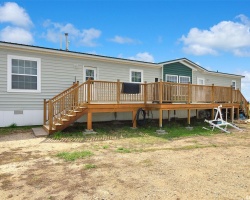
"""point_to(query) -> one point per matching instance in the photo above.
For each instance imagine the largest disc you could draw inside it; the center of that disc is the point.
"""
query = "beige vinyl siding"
(58, 73)
(217, 79)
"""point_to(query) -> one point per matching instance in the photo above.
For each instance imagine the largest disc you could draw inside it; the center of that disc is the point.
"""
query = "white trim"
(235, 87)
(184, 77)
(200, 79)
(172, 75)
(9, 73)
(135, 70)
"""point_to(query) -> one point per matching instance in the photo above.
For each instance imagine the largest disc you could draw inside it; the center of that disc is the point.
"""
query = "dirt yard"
(212, 167)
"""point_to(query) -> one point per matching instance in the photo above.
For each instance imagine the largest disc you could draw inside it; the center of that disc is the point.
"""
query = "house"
(30, 74)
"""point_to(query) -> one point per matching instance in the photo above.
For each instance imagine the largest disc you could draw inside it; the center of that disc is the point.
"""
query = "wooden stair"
(69, 118)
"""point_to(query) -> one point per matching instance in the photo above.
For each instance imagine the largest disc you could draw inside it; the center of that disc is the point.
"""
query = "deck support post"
(212, 115)
(232, 114)
(134, 118)
(188, 116)
(160, 118)
(89, 121)
(238, 113)
(196, 114)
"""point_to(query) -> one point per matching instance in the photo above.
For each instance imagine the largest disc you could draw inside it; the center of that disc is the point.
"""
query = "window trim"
(90, 68)
(172, 75)
(232, 84)
(9, 74)
(135, 70)
(184, 77)
(200, 79)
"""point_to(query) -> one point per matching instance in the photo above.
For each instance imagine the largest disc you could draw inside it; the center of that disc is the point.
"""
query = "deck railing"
(112, 92)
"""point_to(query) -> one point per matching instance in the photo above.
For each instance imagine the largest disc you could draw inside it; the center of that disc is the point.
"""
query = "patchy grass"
(72, 156)
(123, 150)
(89, 166)
(110, 131)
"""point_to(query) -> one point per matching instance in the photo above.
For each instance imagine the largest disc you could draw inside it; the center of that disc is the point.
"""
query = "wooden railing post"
(44, 112)
(231, 98)
(189, 93)
(118, 91)
(88, 86)
(160, 92)
(212, 94)
(51, 113)
(76, 93)
(145, 92)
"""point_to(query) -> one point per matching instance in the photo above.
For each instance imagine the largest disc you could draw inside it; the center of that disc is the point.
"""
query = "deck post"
(51, 111)
(145, 92)
(44, 111)
(76, 93)
(160, 118)
(134, 118)
(232, 114)
(160, 92)
(212, 115)
(196, 114)
(88, 90)
(232, 94)
(238, 113)
(212, 94)
(188, 116)
(189, 93)
(118, 91)
(89, 121)
(169, 115)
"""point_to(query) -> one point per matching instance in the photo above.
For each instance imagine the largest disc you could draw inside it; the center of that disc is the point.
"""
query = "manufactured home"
(54, 88)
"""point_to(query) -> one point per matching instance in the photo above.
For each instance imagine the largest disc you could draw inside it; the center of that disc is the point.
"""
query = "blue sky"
(212, 33)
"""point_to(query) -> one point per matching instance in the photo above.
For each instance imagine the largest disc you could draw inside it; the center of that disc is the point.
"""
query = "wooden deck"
(103, 96)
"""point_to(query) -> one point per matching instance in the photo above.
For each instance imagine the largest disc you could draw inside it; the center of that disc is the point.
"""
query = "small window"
(24, 74)
(90, 74)
(200, 81)
(136, 76)
(234, 85)
(184, 79)
(171, 78)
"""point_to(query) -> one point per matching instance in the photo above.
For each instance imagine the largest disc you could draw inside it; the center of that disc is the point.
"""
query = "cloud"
(16, 35)
(145, 56)
(123, 40)
(89, 35)
(245, 85)
(86, 37)
(225, 36)
(10, 12)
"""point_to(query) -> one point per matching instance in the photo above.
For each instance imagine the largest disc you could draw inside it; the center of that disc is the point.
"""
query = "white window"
(136, 76)
(200, 81)
(24, 74)
(171, 78)
(234, 85)
(184, 79)
(89, 72)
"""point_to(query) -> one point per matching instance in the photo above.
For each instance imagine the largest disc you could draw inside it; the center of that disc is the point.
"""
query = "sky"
(215, 34)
